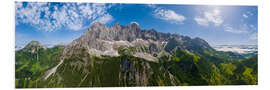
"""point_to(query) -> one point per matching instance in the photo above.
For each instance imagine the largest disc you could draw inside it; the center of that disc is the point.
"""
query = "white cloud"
(237, 48)
(214, 17)
(245, 16)
(250, 13)
(242, 29)
(151, 5)
(210, 17)
(254, 36)
(201, 21)
(50, 17)
(228, 28)
(169, 15)
(105, 19)
(75, 27)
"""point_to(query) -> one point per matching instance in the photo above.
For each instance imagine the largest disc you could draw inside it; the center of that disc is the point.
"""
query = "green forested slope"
(84, 70)
(32, 63)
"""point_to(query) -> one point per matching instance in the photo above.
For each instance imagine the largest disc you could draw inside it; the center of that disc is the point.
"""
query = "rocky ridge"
(101, 40)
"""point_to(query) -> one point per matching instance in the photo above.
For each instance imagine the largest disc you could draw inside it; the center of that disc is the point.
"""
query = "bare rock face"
(149, 44)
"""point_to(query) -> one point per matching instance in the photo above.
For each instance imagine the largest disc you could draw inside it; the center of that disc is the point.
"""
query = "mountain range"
(130, 56)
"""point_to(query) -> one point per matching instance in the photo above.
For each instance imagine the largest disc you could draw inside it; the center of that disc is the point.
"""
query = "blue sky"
(56, 23)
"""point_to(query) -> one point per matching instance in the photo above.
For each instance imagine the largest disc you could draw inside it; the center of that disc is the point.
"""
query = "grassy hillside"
(84, 70)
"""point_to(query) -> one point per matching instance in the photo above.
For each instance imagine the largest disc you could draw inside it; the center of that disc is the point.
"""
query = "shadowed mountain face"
(129, 56)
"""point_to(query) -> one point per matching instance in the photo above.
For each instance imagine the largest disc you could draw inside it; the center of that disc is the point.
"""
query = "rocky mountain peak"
(33, 46)
(134, 25)
(202, 43)
(102, 40)
(117, 24)
(96, 24)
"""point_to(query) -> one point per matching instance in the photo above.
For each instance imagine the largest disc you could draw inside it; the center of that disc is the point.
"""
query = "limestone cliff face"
(149, 44)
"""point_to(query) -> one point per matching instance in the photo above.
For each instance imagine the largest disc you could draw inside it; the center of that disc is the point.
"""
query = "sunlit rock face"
(148, 44)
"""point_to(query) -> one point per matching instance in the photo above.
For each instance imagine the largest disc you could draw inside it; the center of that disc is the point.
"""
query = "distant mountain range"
(130, 56)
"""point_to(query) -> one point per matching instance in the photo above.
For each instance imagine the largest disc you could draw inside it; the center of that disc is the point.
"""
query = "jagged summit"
(34, 43)
(134, 25)
(33, 46)
(96, 23)
(102, 40)
(117, 24)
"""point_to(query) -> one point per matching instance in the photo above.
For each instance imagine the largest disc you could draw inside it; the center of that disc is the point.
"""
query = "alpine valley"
(124, 56)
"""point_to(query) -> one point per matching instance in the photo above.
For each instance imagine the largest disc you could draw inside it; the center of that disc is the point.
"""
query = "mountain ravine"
(130, 56)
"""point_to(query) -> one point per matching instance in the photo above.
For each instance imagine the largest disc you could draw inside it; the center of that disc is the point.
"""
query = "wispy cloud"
(254, 36)
(50, 17)
(210, 17)
(169, 15)
(151, 5)
(242, 29)
(228, 28)
(201, 21)
(104, 19)
(250, 13)
(245, 15)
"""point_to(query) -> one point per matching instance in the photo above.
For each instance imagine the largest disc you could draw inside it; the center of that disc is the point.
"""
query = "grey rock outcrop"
(102, 40)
